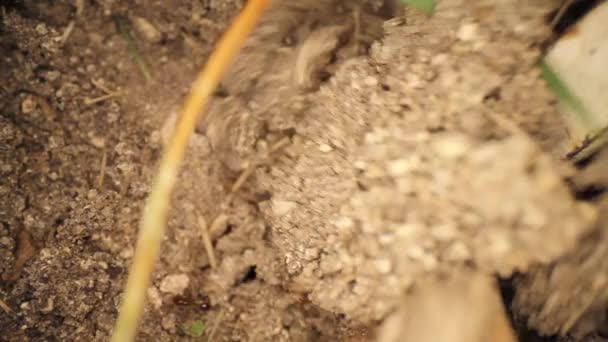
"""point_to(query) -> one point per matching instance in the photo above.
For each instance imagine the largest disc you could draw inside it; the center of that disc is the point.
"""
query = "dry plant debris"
(154, 217)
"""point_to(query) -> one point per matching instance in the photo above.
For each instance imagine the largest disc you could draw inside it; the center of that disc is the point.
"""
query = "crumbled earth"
(419, 149)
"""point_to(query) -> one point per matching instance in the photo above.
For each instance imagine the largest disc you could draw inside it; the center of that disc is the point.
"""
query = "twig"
(99, 85)
(88, 101)
(242, 178)
(279, 145)
(5, 307)
(154, 218)
(67, 32)
(207, 242)
(218, 227)
(102, 169)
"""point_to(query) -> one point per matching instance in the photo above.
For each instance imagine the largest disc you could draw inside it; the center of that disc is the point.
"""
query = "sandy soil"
(413, 150)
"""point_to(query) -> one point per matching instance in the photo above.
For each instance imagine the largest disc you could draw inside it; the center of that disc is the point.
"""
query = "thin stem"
(155, 213)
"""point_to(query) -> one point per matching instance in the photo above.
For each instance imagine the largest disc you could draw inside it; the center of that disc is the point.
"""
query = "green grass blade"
(425, 6)
(564, 94)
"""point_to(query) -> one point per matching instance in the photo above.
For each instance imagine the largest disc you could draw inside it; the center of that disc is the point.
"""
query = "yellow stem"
(155, 213)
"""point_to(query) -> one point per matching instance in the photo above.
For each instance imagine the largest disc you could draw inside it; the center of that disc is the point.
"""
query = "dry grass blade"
(5, 307)
(155, 214)
(207, 242)
(102, 169)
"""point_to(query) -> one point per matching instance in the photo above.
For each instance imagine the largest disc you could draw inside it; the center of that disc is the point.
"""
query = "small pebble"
(175, 284)
(467, 32)
(168, 323)
(154, 297)
(28, 105)
(458, 252)
(52, 75)
(325, 148)
(146, 30)
(344, 222)
(41, 29)
(282, 207)
(401, 167)
(384, 266)
(452, 146)
(311, 254)
(360, 165)
(370, 81)
(98, 142)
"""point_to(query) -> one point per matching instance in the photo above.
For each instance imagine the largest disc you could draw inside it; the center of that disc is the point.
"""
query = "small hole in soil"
(59, 221)
(590, 193)
(250, 275)
(114, 272)
(603, 330)
(263, 196)
(571, 15)
(493, 95)
(221, 91)
(203, 302)
(289, 132)
(507, 292)
(228, 229)
(406, 107)
(34, 333)
(181, 300)
(324, 76)
(436, 129)
(14, 4)
(385, 87)
(362, 186)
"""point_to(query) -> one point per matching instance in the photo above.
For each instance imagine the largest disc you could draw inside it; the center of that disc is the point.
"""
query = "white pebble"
(311, 254)
(175, 284)
(282, 207)
(467, 32)
(458, 252)
(343, 222)
(325, 148)
(452, 146)
(154, 297)
(41, 29)
(370, 81)
(403, 166)
(28, 105)
(146, 30)
(384, 266)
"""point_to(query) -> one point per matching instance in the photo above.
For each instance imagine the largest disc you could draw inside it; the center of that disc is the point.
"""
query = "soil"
(418, 150)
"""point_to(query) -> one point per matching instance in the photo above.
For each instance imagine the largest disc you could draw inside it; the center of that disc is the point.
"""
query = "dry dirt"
(417, 150)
